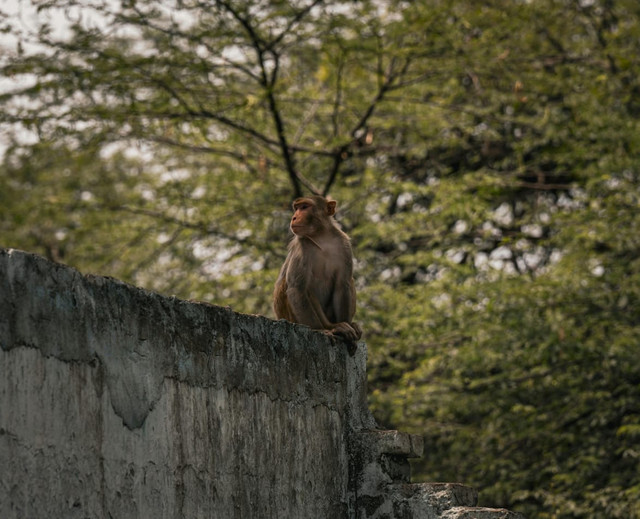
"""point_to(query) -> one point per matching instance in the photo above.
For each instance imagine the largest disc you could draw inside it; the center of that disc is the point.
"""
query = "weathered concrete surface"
(480, 513)
(119, 402)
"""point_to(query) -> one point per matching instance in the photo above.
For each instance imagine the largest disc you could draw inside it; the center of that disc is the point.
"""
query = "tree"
(218, 99)
(483, 155)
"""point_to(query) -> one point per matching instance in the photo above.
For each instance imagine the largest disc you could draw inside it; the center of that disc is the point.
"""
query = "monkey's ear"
(331, 207)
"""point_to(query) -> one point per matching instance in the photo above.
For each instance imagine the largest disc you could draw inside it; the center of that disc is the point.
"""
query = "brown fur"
(315, 286)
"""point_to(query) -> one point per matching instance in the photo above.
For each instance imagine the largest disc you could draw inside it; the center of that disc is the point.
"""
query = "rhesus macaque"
(315, 286)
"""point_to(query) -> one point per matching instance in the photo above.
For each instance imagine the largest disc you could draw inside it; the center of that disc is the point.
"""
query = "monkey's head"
(312, 215)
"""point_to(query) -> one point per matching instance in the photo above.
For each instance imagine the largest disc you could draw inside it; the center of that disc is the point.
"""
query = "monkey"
(315, 285)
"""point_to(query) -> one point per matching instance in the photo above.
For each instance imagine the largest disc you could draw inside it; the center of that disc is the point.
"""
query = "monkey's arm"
(306, 309)
(344, 300)
(344, 304)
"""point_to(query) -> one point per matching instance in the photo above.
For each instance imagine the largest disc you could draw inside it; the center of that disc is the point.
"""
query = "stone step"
(384, 488)
(440, 496)
(470, 512)
(392, 442)
(415, 500)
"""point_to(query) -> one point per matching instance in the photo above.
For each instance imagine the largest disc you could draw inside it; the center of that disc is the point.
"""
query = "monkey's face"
(303, 221)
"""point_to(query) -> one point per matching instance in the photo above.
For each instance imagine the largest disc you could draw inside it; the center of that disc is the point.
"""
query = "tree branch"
(267, 82)
(342, 152)
(185, 224)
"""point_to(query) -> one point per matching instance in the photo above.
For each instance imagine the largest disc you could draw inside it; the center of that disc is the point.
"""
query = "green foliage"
(484, 155)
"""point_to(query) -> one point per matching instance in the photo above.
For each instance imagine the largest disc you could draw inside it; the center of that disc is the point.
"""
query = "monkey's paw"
(348, 331)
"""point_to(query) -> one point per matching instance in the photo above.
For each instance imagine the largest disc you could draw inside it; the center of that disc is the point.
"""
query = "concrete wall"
(119, 402)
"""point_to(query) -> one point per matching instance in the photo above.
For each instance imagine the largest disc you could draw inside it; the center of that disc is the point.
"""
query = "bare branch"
(225, 152)
(340, 154)
(268, 81)
(185, 224)
(297, 18)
